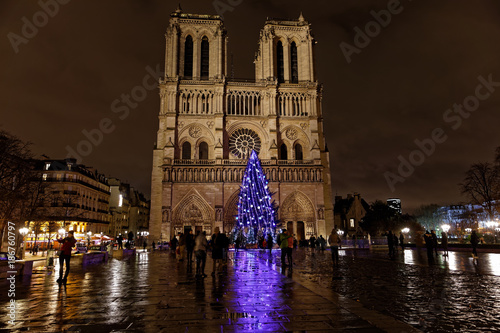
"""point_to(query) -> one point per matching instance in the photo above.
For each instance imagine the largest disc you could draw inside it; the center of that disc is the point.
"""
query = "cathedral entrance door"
(186, 229)
(300, 231)
(289, 226)
(198, 229)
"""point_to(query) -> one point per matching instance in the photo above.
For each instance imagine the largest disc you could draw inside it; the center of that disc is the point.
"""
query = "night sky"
(395, 90)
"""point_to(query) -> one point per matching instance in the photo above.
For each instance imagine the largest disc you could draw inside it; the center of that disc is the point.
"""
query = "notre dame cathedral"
(209, 123)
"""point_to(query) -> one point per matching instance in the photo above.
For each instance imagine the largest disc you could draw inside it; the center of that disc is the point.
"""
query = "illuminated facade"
(209, 123)
(74, 197)
(129, 209)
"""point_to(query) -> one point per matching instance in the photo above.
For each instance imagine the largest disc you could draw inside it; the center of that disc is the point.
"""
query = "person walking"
(200, 252)
(321, 243)
(390, 243)
(402, 241)
(395, 242)
(144, 245)
(270, 242)
(428, 244)
(434, 241)
(283, 243)
(173, 244)
(474, 240)
(334, 241)
(312, 242)
(182, 246)
(190, 246)
(444, 243)
(65, 256)
(289, 250)
(217, 244)
(120, 242)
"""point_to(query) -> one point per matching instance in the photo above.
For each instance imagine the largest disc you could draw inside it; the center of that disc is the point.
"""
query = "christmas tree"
(256, 215)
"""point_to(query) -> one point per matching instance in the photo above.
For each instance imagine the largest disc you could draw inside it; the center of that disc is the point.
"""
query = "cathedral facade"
(209, 123)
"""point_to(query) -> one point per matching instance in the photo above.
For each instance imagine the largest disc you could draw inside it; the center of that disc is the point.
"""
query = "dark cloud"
(395, 91)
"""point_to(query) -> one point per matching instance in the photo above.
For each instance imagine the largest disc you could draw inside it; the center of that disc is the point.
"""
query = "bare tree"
(482, 186)
(16, 173)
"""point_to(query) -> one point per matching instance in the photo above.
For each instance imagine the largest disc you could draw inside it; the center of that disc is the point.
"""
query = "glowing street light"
(405, 230)
(468, 230)
(445, 227)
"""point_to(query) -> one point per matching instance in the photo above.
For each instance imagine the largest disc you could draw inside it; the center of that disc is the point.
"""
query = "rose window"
(243, 141)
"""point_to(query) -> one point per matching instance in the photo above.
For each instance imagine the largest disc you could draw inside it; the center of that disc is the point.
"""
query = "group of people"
(187, 244)
(317, 243)
(393, 241)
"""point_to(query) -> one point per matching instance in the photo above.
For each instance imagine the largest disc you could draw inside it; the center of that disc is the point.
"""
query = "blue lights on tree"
(256, 215)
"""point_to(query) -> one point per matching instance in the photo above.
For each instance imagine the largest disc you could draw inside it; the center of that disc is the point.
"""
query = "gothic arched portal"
(298, 211)
(193, 212)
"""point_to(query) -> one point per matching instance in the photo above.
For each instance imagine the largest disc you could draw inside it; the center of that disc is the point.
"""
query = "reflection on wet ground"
(453, 294)
(154, 293)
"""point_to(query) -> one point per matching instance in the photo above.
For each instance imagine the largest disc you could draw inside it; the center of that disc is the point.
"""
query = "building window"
(203, 150)
(283, 152)
(351, 223)
(298, 152)
(186, 151)
(188, 57)
(204, 58)
(294, 63)
(44, 176)
(280, 65)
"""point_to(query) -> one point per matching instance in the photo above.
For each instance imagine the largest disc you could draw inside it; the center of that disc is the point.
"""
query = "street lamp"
(23, 231)
(445, 227)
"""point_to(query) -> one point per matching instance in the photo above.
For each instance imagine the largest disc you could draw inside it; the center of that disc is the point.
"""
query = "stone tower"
(209, 123)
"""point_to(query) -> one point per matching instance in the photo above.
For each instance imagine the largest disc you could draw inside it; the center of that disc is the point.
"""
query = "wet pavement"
(368, 292)
(453, 294)
(154, 293)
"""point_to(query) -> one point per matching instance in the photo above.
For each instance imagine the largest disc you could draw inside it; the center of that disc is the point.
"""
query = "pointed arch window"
(294, 63)
(298, 152)
(186, 151)
(205, 48)
(283, 152)
(188, 57)
(280, 64)
(203, 151)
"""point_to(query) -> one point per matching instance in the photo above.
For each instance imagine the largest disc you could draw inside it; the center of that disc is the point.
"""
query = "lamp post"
(23, 231)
